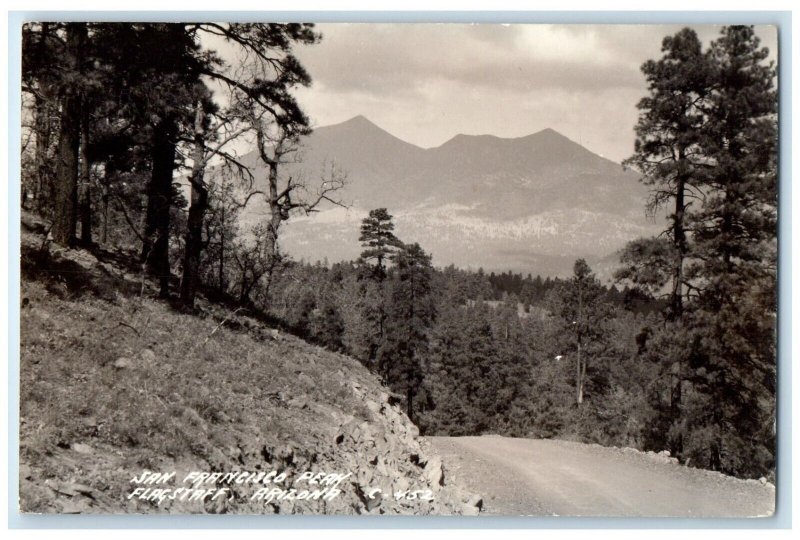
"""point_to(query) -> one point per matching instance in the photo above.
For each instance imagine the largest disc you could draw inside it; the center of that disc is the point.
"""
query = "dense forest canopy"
(679, 354)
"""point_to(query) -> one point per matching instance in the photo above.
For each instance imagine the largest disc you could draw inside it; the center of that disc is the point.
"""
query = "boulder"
(434, 473)
(82, 448)
(123, 363)
(147, 356)
(473, 506)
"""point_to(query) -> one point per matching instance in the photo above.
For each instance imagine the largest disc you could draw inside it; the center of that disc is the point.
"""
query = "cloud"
(426, 83)
(395, 58)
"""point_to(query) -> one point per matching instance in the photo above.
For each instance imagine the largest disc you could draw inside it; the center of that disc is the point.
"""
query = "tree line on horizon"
(679, 354)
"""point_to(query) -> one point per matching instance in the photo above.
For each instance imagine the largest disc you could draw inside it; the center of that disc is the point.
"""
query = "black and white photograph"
(375, 269)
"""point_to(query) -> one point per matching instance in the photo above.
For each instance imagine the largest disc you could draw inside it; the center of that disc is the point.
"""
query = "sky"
(426, 83)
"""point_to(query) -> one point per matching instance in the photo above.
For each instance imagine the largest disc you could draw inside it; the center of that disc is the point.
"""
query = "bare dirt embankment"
(549, 477)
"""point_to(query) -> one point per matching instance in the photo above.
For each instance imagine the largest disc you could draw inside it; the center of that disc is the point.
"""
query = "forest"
(130, 143)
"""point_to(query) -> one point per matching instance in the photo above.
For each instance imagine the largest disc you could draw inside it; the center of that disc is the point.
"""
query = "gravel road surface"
(548, 477)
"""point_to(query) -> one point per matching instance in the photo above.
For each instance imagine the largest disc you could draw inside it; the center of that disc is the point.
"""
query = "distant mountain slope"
(531, 204)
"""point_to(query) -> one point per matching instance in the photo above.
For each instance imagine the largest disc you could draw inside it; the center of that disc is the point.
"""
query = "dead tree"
(278, 145)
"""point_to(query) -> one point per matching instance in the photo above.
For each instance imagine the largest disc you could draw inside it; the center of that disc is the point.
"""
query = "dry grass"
(179, 396)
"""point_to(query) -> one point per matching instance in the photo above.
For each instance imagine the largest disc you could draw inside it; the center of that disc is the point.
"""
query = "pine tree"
(411, 314)
(65, 193)
(666, 153)
(718, 348)
(378, 240)
(380, 244)
(580, 307)
(736, 252)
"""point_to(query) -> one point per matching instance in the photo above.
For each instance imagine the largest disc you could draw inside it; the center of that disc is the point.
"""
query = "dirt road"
(545, 477)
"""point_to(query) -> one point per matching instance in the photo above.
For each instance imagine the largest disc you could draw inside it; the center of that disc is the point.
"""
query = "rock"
(664, 453)
(763, 481)
(222, 418)
(401, 484)
(473, 506)
(25, 472)
(298, 403)
(123, 363)
(42, 314)
(286, 454)
(434, 473)
(374, 502)
(271, 333)
(348, 429)
(80, 506)
(71, 489)
(82, 448)
(147, 356)
(419, 459)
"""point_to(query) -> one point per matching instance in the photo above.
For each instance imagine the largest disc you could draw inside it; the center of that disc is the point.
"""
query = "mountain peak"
(359, 122)
(359, 119)
(360, 125)
(549, 134)
(359, 131)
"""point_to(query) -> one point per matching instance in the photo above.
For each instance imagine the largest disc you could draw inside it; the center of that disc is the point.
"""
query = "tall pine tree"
(736, 252)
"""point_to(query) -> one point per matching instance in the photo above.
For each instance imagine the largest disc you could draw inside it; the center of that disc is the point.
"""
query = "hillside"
(528, 204)
(113, 383)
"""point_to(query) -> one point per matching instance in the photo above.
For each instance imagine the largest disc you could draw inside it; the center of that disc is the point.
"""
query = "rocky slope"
(113, 384)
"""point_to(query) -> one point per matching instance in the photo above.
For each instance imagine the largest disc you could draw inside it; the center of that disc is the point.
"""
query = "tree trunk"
(66, 186)
(197, 211)
(276, 214)
(85, 191)
(155, 248)
(676, 304)
(222, 250)
(409, 400)
(675, 408)
(276, 218)
(583, 380)
(579, 375)
(43, 188)
(679, 237)
(581, 369)
(108, 175)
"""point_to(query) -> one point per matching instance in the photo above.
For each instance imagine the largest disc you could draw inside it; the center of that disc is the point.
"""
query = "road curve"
(548, 477)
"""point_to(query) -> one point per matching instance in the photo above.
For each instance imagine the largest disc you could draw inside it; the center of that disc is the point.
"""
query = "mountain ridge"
(363, 122)
(475, 200)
